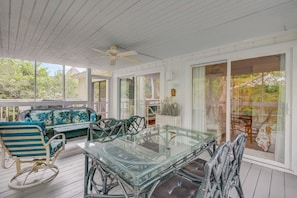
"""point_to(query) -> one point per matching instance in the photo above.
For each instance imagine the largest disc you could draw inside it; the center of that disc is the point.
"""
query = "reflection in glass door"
(258, 104)
(100, 100)
(126, 97)
(209, 98)
(140, 95)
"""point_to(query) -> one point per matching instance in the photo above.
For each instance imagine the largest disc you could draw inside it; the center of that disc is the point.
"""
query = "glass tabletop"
(140, 158)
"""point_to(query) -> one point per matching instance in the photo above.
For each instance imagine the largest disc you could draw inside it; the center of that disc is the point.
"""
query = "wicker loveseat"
(72, 122)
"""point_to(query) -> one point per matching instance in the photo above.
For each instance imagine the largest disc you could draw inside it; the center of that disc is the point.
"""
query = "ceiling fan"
(115, 54)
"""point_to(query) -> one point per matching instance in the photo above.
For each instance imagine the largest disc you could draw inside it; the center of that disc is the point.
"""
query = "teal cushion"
(93, 117)
(40, 124)
(27, 119)
(55, 145)
(80, 115)
(62, 117)
(45, 116)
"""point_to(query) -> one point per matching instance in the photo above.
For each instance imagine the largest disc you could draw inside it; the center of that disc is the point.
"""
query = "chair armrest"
(53, 149)
(55, 137)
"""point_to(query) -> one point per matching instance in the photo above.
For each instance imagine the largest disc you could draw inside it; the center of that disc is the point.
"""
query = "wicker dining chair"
(212, 184)
(237, 145)
(195, 170)
(25, 143)
(106, 130)
(135, 124)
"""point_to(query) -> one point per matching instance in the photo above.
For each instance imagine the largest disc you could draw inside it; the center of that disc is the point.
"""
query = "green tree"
(71, 86)
(17, 79)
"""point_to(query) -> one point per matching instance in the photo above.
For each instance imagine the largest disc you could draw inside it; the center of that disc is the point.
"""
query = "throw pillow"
(45, 116)
(62, 117)
(80, 115)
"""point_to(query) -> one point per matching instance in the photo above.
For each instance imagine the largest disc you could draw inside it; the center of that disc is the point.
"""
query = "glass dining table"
(137, 163)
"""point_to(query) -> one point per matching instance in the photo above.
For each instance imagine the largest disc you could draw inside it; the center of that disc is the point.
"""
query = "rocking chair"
(25, 142)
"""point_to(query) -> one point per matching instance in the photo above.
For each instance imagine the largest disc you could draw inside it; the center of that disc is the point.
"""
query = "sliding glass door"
(127, 96)
(209, 98)
(100, 99)
(258, 97)
(140, 95)
(257, 103)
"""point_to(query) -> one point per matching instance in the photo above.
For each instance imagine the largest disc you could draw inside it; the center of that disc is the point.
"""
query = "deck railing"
(8, 113)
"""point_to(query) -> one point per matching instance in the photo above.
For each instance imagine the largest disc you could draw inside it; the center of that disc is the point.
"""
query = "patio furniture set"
(28, 143)
(155, 162)
(142, 162)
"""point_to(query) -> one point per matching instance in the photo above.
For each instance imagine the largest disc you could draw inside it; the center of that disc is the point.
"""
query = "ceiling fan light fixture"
(114, 53)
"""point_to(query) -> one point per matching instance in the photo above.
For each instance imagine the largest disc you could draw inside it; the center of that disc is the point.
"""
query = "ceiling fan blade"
(128, 53)
(100, 51)
(96, 57)
(114, 53)
(130, 59)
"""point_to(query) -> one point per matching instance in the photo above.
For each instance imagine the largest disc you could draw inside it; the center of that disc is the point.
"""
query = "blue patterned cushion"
(45, 116)
(55, 145)
(28, 119)
(80, 115)
(62, 117)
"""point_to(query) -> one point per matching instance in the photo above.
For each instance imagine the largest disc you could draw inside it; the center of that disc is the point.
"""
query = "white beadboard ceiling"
(65, 31)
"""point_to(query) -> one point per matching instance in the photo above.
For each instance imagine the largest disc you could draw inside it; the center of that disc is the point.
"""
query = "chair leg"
(102, 185)
(18, 166)
(248, 131)
(30, 176)
(239, 189)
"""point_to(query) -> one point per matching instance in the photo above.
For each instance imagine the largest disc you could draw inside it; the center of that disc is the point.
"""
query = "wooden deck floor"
(258, 181)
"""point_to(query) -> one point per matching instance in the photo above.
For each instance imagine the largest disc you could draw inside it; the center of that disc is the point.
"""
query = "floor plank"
(277, 185)
(250, 182)
(263, 183)
(290, 185)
